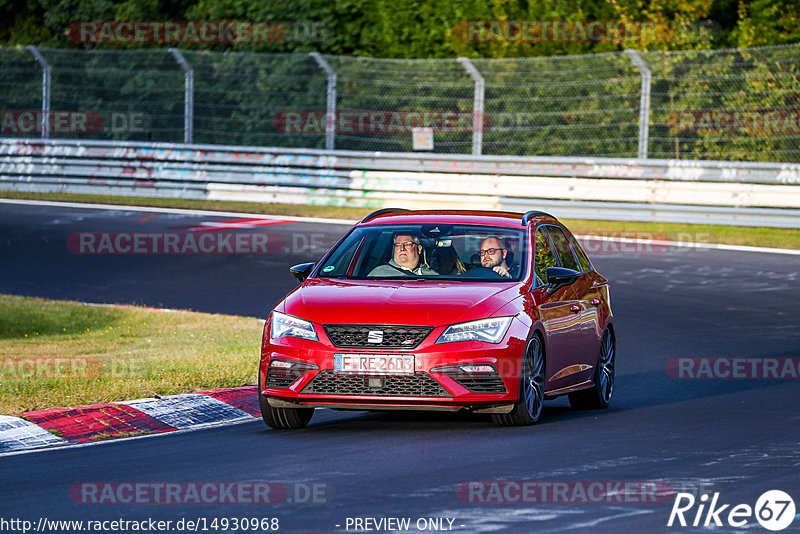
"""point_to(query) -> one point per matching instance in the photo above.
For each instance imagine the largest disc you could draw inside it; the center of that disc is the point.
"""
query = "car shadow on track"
(347, 421)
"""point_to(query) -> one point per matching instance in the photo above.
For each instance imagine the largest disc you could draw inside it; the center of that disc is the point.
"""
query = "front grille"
(475, 382)
(278, 377)
(417, 385)
(391, 336)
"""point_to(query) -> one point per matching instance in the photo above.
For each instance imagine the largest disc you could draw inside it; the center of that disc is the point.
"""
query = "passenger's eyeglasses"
(490, 251)
(405, 244)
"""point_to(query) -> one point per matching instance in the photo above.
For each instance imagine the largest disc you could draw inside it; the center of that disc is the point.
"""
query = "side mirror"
(300, 272)
(559, 276)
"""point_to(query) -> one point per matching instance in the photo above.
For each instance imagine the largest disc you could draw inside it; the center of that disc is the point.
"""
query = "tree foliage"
(419, 28)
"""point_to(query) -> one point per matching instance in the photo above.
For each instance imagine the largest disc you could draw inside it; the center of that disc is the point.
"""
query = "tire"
(282, 418)
(599, 396)
(528, 409)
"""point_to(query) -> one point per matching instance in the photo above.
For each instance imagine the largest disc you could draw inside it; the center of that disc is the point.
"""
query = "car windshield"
(433, 252)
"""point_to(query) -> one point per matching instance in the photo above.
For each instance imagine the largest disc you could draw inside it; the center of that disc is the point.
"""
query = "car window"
(544, 257)
(428, 251)
(586, 265)
(564, 253)
(345, 260)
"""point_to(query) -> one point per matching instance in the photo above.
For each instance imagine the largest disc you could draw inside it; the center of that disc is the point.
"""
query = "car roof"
(506, 219)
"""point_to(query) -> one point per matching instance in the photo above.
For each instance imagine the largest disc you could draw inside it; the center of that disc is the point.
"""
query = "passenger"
(405, 259)
(493, 256)
(445, 260)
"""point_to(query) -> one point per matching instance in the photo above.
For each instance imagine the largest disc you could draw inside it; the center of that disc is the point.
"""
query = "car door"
(592, 293)
(559, 316)
(582, 360)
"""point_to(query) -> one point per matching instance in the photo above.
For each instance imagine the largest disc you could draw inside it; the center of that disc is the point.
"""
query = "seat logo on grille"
(375, 336)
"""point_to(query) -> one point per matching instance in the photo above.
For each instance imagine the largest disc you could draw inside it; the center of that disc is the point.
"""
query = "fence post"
(188, 95)
(477, 106)
(644, 103)
(45, 90)
(330, 118)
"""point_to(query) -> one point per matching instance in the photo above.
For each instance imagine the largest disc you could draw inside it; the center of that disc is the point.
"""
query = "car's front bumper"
(394, 404)
(433, 386)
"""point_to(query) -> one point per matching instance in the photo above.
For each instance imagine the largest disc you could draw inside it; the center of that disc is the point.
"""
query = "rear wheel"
(599, 395)
(528, 409)
(282, 418)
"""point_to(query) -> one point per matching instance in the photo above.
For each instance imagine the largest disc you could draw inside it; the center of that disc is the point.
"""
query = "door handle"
(596, 302)
(575, 308)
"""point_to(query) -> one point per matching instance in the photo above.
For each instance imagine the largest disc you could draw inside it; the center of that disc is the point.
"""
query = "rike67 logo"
(774, 510)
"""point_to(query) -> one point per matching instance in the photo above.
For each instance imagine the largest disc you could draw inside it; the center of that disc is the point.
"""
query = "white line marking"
(690, 244)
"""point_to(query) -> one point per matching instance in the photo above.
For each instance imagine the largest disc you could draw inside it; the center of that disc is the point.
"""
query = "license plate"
(374, 364)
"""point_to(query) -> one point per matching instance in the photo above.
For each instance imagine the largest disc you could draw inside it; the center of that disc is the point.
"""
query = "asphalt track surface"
(735, 437)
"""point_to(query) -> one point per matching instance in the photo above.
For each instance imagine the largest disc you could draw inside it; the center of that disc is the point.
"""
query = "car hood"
(396, 302)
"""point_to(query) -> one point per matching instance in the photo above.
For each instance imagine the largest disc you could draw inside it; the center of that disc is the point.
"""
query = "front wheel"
(528, 409)
(599, 395)
(282, 418)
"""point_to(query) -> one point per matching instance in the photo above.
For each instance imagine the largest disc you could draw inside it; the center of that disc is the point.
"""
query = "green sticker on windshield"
(328, 269)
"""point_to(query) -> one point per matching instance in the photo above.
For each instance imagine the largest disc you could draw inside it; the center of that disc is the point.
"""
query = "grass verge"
(57, 353)
(694, 233)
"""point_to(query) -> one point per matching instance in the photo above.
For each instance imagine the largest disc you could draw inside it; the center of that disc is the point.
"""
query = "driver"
(405, 259)
(493, 256)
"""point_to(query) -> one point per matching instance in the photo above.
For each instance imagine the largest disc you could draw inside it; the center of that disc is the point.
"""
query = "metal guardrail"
(754, 194)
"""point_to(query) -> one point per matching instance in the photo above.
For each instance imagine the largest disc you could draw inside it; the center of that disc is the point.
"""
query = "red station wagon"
(488, 312)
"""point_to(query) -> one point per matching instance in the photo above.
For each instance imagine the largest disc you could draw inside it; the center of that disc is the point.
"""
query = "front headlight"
(490, 330)
(286, 325)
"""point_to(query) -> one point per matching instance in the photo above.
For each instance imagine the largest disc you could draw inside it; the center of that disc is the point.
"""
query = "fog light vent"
(476, 377)
(284, 373)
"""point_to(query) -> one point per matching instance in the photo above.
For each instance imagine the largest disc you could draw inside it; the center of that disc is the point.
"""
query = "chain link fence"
(20, 81)
(584, 105)
(741, 104)
(382, 95)
(136, 95)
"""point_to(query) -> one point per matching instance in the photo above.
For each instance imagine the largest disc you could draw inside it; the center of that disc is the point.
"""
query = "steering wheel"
(482, 272)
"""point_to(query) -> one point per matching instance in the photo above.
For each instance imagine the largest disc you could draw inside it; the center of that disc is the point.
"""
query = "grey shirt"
(394, 269)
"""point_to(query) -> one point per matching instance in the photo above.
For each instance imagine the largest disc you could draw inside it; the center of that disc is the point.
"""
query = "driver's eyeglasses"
(405, 244)
(490, 251)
